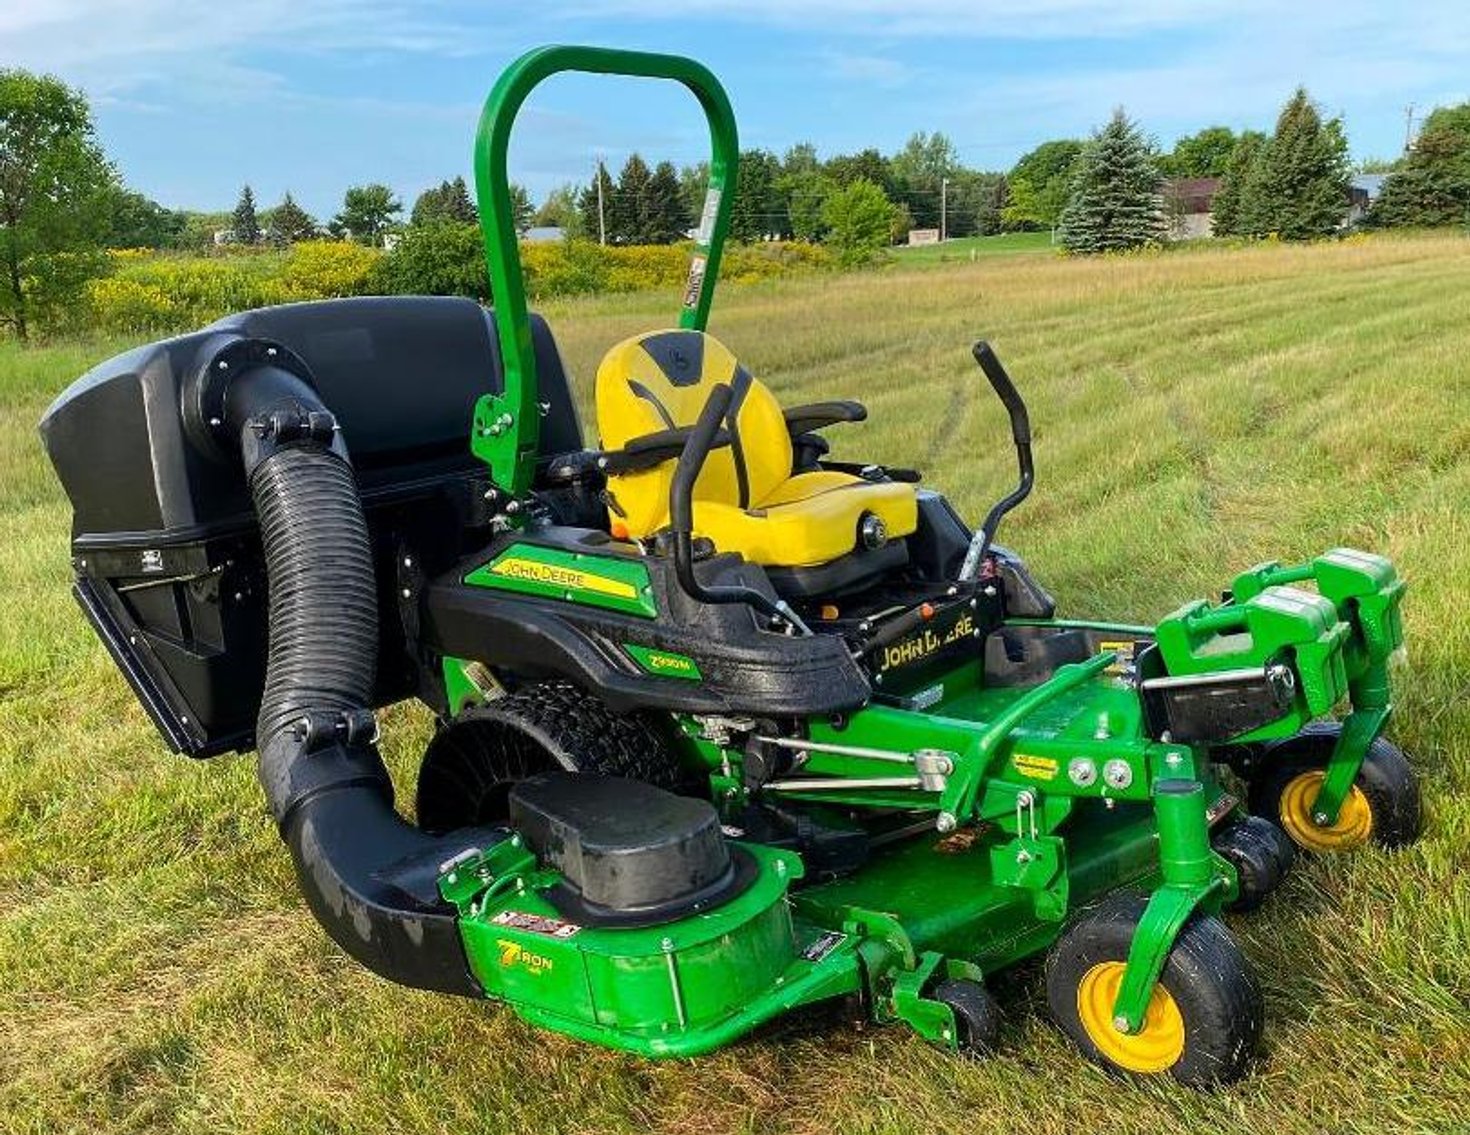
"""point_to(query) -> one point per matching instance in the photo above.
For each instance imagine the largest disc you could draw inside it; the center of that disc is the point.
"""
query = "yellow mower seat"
(748, 499)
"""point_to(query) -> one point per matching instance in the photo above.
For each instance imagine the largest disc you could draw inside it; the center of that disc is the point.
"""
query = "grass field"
(965, 249)
(1194, 413)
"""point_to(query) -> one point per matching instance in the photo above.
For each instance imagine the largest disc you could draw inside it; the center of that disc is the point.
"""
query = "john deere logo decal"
(555, 575)
(927, 641)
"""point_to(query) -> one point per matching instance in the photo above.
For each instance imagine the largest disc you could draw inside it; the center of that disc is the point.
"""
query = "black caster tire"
(475, 759)
(976, 1014)
(1383, 807)
(1261, 854)
(1203, 1022)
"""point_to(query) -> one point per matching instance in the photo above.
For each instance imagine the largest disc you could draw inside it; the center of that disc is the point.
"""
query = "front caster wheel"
(1383, 805)
(976, 1014)
(1203, 1021)
(1261, 854)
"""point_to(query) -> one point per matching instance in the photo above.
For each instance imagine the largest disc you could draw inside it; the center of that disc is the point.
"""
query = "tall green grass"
(1194, 413)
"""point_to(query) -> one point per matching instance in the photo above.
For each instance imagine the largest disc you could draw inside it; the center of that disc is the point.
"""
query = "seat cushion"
(798, 531)
(747, 498)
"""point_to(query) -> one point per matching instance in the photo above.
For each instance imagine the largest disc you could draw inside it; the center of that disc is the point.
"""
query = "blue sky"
(193, 99)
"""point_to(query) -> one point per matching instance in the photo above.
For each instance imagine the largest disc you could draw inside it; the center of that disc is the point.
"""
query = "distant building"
(1363, 190)
(1189, 203)
(544, 234)
(923, 236)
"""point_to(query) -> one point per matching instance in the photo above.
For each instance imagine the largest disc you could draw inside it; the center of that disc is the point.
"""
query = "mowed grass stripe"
(1194, 413)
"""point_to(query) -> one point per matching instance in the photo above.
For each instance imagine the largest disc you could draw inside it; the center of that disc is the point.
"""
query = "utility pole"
(943, 208)
(1408, 128)
(601, 213)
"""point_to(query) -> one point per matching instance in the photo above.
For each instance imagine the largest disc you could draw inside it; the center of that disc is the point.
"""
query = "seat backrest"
(661, 381)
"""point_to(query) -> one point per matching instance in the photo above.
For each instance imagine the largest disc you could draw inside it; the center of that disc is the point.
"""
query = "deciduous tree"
(367, 213)
(54, 182)
(859, 220)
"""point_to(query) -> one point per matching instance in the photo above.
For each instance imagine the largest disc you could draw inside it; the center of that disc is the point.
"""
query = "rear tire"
(1203, 1021)
(472, 763)
(1383, 807)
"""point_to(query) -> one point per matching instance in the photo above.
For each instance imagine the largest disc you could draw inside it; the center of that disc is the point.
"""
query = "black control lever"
(1010, 397)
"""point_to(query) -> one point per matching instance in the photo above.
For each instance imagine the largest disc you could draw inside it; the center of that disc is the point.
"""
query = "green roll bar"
(507, 426)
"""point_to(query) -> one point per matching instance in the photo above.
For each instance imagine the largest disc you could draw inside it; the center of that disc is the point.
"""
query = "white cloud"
(111, 47)
(874, 70)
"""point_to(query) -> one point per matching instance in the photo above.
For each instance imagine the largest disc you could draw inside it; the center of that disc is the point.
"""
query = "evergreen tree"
(447, 201)
(1115, 201)
(1431, 186)
(289, 223)
(629, 211)
(759, 210)
(521, 209)
(1226, 217)
(668, 219)
(1299, 187)
(593, 222)
(245, 224)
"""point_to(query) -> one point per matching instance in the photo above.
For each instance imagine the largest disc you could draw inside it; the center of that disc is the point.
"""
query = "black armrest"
(652, 450)
(820, 415)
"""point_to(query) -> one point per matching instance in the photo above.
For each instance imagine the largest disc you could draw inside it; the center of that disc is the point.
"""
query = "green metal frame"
(507, 426)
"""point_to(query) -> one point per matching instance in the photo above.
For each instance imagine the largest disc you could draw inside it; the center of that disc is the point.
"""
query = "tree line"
(63, 204)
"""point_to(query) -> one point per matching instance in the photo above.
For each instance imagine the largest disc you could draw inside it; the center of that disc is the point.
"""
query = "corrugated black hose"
(368, 876)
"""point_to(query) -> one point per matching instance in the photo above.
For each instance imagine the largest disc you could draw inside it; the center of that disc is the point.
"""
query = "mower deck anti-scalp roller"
(726, 727)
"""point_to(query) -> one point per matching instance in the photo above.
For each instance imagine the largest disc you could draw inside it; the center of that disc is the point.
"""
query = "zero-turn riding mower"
(726, 727)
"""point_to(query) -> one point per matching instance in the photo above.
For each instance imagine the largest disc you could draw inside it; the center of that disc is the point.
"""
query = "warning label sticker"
(823, 945)
(535, 924)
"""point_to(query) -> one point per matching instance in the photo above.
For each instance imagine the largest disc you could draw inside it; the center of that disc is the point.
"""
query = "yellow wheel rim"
(1155, 1047)
(1354, 819)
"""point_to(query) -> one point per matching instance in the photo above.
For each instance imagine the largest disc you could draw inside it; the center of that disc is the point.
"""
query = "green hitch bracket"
(1192, 875)
(958, 800)
(473, 877)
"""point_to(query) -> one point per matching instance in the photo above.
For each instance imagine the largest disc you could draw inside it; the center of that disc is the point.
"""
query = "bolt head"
(1320, 819)
(945, 822)
(407, 594)
(1121, 1024)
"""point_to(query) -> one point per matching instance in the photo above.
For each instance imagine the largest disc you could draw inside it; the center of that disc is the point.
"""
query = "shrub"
(440, 258)
(321, 269)
(128, 306)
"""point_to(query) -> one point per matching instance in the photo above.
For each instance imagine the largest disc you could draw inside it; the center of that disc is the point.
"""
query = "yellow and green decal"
(664, 663)
(576, 577)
